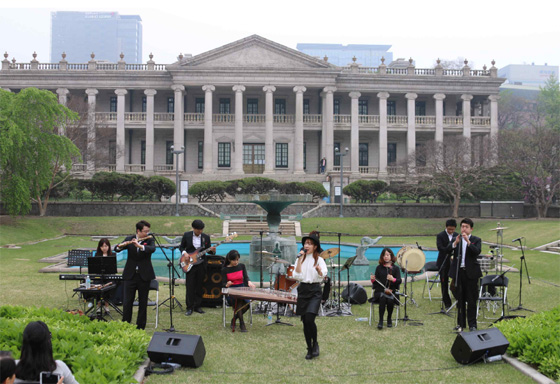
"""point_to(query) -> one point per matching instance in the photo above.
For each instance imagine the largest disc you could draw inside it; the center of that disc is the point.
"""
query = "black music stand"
(78, 258)
(102, 265)
(99, 299)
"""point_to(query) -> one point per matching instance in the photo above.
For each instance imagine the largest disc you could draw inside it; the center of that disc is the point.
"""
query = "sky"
(479, 31)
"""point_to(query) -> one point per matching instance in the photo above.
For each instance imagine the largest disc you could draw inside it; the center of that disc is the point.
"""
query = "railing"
(193, 118)
(397, 71)
(480, 72)
(425, 120)
(284, 119)
(342, 119)
(453, 72)
(136, 67)
(369, 119)
(254, 119)
(20, 66)
(105, 116)
(369, 170)
(107, 67)
(223, 118)
(480, 121)
(424, 170)
(368, 70)
(396, 170)
(135, 116)
(164, 116)
(424, 71)
(160, 67)
(312, 119)
(397, 119)
(48, 66)
(134, 167)
(79, 167)
(77, 67)
(346, 168)
(452, 120)
(164, 168)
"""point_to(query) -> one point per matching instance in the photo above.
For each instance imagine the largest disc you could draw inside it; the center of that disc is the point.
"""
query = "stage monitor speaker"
(212, 285)
(356, 292)
(470, 347)
(186, 350)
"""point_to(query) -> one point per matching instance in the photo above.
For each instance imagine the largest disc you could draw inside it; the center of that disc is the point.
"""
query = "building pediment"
(253, 52)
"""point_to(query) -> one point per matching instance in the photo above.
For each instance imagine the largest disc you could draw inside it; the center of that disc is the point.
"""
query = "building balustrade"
(254, 119)
(396, 170)
(312, 119)
(284, 119)
(480, 121)
(78, 168)
(223, 118)
(369, 170)
(342, 119)
(164, 168)
(369, 119)
(135, 116)
(425, 120)
(158, 116)
(397, 120)
(193, 118)
(134, 167)
(105, 116)
(452, 120)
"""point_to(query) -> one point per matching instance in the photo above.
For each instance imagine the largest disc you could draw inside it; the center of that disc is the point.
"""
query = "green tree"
(548, 102)
(32, 152)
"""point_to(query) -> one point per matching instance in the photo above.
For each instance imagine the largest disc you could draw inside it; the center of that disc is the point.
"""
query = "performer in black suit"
(466, 271)
(192, 241)
(138, 272)
(444, 241)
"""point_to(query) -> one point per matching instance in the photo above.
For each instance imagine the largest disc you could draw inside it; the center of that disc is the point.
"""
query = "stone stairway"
(244, 227)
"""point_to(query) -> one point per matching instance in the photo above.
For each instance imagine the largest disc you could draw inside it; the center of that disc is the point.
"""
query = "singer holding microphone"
(310, 270)
(138, 271)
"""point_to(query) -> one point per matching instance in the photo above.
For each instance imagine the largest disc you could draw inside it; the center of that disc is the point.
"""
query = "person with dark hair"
(234, 274)
(191, 242)
(37, 356)
(103, 248)
(7, 370)
(310, 270)
(444, 241)
(466, 272)
(138, 272)
(388, 274)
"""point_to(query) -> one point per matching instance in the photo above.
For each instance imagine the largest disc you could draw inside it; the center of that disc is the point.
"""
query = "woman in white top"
(310, 271)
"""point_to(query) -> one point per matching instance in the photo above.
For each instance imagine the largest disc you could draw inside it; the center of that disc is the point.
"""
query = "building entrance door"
(253, 158)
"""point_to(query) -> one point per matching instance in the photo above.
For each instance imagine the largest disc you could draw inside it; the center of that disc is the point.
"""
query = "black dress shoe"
(472, 329)
(189, 312)
(458, 328)
(389, 323)
(309, 355)
(315, 350)
(199, 310)
(380, 325)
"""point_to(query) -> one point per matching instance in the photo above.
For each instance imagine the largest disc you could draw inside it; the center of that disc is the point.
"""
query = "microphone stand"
(442, 310)
(171, 271)
(523, 261)
(339, 311)
(405, 318)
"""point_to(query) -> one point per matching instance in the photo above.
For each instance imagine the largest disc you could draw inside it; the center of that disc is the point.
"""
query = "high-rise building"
(528, 74)
(341, 55)
(107, 34)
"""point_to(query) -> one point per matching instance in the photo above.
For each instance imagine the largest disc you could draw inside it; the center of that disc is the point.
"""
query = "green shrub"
(208, 191)
(536, 340)
(365, 191)
(257, 184)
(97, 352)
(158, 187)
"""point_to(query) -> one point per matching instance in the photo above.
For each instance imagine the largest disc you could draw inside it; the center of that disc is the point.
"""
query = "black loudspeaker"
(358, 294)
(472, 346)
(186, 350)
(212, 285)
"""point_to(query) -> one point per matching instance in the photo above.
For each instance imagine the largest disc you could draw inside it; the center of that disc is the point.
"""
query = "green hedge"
(97, 352)
(536, 340)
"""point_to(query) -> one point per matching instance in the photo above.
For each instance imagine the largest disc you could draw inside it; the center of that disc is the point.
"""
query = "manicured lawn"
(351, 351)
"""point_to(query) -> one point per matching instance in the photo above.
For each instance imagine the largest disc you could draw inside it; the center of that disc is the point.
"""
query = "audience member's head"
(36, 352)
(7, 370)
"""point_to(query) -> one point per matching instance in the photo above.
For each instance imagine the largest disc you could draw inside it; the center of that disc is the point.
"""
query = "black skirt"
(309, 298)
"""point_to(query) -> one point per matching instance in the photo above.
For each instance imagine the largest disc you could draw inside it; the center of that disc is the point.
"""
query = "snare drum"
(290, 272)
(284, 283)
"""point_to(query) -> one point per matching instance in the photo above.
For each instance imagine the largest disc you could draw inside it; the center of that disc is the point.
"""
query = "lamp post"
(341, 157)
(177, 153)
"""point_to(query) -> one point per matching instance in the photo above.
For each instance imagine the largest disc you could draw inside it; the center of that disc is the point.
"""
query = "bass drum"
(411, 259)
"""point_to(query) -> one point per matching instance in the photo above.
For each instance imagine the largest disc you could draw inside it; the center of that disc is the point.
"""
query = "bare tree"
(457, 63)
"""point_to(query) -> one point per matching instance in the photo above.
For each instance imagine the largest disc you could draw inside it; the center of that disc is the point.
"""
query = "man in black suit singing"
(138, 272)
(192, 241)
(444, 241)
(466, 270)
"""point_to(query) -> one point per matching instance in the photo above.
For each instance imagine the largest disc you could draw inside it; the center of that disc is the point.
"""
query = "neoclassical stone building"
(258, 107)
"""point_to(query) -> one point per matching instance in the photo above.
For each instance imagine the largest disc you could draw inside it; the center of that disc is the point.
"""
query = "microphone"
(301, 253)
(419, 247)
(519, 238)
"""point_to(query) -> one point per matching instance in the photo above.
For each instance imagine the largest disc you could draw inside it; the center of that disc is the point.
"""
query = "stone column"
(355, 133)
(268, 130)
(63, 100)
(238, 142)
(383, 96)
(328, 116)
(439, 97)
(120, 129)
(467, 127)
(150, 93)
(178, 123)
(208, 158)
(493, 129)
(323, 125)
(411, 133)
(298, 135)
(90, 152)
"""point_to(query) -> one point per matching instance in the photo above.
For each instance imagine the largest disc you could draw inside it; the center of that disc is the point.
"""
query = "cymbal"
(331, 252)
(265, 252)
(498, 228)
(276, 260)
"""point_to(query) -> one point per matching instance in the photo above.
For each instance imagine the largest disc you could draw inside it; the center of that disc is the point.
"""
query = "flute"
(124, 244)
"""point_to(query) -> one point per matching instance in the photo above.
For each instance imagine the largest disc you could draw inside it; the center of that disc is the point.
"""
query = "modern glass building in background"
(528, 74)
(106, 34)
(367, 55)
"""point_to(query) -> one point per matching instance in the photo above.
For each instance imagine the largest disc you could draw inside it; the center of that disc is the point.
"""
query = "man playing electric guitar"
(192, 241)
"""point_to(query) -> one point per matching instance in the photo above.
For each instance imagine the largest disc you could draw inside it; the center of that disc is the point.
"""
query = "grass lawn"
(351, 351)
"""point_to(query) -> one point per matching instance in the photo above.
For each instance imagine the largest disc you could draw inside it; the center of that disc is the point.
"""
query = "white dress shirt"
(308, 272)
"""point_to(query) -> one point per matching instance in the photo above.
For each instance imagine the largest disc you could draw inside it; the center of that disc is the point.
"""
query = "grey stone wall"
(253, 209)
(394, 210)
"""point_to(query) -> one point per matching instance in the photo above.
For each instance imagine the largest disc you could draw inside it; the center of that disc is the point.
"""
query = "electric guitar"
(187, 261)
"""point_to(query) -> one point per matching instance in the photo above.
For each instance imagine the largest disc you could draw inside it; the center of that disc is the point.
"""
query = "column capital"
(269, 88)
(411, 96)
(208, 88)
(62, 91)
(178, 87)
(150, 92)
(92, 91)
(299, 89)
(355, 95)
(329, 89)
(439, 96)
(466, 97)
(494, 97)
(238, 88)
(383, 95)
(121, 91)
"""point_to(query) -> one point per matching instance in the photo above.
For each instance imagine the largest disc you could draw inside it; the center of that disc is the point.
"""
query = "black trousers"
(194, 282)
(468, 295)
(444, 278)
(129, 292)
